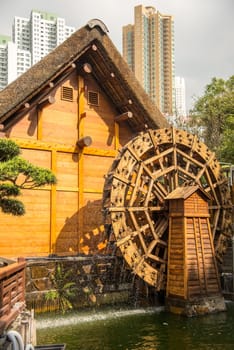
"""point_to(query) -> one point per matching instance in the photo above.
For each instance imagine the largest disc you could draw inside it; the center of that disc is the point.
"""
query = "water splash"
(78, 318)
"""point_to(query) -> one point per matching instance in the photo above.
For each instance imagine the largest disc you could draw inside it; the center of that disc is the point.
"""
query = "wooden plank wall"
(192, 270)
(195, 206)
(65, 218)
(200, 259)
(176, 276)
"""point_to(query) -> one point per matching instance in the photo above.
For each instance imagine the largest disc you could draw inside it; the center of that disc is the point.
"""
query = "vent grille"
(93, 98)
(67, 93)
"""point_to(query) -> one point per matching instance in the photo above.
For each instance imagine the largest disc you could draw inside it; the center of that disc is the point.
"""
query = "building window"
(66, 93)
(93, 98)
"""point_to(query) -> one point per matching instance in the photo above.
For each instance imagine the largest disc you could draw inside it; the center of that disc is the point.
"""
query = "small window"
(67, 93)
(93, 98)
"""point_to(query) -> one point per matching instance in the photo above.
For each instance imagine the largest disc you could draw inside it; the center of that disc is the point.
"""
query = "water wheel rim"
(149, 167)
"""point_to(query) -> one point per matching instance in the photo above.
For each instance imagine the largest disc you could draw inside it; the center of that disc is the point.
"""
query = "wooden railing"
(12, 292)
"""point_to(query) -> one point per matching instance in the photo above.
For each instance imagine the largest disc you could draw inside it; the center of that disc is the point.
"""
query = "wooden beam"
(47, 100)
(85, 141)
(123, 116)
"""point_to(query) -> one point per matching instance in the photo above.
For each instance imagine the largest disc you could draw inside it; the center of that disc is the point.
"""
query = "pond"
(138, 329)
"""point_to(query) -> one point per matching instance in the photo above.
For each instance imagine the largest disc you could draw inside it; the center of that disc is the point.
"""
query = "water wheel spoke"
(175, 179)
(160, 173)
(158, 157)
(171, 179)
(161, 226)
(204, 168)
(121, 179)
(187, 173)
(215, 222)
(135, 189)
(160, 189)
(161, 242)
(157, 208)
(130, 236)
(151, 247)
(148, 195)
(138, 229)
(151, 226)
(157, 152)
(136, 209)
(116, 209)
(156, 258)
(175, 172)
(189, 159)
(214, 207)
(191, 152)
(212, 187)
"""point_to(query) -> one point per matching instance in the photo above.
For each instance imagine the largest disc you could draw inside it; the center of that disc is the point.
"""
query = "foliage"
(17, 173)
(227, 146)
(212, 118)
(63, 291)
(8, 150)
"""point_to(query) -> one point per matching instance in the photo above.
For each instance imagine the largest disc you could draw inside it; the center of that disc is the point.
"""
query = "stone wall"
(94, 281)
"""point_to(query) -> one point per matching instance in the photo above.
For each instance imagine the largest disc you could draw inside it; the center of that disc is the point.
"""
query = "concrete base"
(195, 307)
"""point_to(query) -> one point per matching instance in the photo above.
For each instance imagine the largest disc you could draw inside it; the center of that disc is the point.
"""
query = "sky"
(204, 31)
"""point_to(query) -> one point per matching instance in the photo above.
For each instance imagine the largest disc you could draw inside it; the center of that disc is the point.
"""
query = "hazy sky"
(204, 30)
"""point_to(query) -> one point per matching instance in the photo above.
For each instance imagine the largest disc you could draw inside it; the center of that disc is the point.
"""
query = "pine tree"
(17, 173)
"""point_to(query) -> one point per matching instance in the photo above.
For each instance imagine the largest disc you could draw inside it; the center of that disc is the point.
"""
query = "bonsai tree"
(17, 173)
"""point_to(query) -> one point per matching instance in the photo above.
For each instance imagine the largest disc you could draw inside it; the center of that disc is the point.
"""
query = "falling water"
(138, 329)
(92, 316)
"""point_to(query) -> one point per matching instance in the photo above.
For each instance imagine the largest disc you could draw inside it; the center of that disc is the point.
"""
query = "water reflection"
(141, 329)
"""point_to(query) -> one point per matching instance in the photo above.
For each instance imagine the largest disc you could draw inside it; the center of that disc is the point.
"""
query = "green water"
(139, 329)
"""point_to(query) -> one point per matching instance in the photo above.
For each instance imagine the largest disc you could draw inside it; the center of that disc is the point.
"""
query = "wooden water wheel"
(147, 169)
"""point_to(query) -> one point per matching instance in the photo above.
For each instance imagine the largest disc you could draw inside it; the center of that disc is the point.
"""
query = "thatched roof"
(92, 45)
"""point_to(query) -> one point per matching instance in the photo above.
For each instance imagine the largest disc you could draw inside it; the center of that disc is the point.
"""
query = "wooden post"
(193, 285)
(81, 114)
(53, 204)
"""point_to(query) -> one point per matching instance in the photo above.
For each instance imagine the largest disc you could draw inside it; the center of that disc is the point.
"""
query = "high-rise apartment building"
(32, 39)
(148, 48)
(180, 104)
(8, 54)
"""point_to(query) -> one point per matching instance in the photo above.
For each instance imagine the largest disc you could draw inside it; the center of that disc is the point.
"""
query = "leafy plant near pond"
(64, 289)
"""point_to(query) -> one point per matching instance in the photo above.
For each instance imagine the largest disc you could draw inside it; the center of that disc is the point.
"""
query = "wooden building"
(71, 112)
(193, 285)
